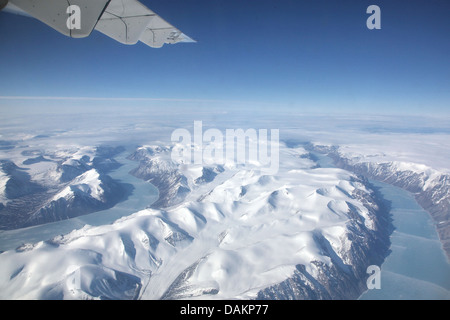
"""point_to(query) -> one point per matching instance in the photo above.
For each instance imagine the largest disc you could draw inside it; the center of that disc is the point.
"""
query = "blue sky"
(314, 56)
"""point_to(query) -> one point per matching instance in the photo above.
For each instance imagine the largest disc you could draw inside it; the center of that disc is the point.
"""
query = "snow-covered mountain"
(18, 194)
(430, 186)
(305, 232)
(49, 186)
(88, 192)
(173, 181)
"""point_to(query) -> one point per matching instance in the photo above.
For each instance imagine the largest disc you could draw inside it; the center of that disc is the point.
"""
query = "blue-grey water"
(144, 194)
(417, 267)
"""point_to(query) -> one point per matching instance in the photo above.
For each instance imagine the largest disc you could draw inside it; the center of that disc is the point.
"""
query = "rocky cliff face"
(19, 181)
(430, 187)
(156, 167)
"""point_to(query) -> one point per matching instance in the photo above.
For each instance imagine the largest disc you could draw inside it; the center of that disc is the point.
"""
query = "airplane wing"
(126, 21)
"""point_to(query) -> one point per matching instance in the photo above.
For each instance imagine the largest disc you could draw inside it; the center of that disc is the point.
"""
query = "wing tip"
(186, 39)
